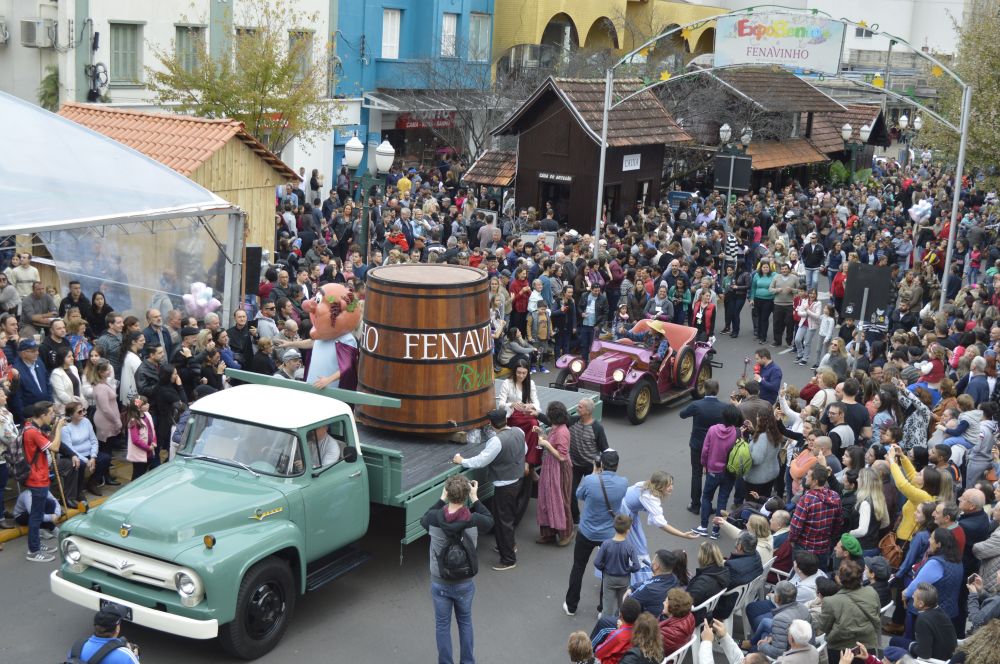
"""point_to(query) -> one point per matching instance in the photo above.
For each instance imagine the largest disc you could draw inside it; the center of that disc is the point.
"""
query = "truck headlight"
(618, 375)
(72, 555)
(576, 366)
(186, 588)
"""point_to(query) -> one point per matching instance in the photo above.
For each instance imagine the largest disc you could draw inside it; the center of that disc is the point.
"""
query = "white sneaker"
(567, 611)
(39, 557)
(45, 548)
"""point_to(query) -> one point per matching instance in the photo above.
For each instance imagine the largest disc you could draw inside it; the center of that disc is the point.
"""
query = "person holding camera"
(106, 645)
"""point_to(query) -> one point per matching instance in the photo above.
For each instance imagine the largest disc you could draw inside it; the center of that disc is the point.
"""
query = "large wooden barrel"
(426, 341)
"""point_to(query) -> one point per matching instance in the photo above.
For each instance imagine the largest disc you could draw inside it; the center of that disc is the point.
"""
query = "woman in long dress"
(556, 479)
(648, 497)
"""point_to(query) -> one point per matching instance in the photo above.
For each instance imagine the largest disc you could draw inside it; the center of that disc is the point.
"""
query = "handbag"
(889, 548)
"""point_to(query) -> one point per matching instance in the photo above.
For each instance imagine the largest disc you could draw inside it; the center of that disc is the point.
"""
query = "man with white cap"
(813, 256)
(291, 365)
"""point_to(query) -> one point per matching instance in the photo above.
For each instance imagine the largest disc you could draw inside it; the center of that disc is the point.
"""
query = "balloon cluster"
(921, 211)
(200, 300)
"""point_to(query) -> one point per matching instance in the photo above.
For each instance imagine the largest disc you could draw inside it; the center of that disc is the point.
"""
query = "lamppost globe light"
(354, 150)
(866, 132)
(725, 133)
(846, 131)
(903, 121)
(385, 154)
(746, 136)
(918, 122)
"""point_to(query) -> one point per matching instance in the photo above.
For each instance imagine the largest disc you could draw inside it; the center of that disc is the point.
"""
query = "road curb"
(11, 534)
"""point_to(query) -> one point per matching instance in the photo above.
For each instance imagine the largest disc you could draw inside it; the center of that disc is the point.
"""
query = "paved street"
(382, 612)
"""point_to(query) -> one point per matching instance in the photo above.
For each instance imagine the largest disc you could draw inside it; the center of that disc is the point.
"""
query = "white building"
(921, 23)
(104, 46)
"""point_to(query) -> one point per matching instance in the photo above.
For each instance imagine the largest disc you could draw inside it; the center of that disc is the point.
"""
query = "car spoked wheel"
(264, 606)
(640, 400)
(684, 376)
(265, 610)
(704, 375)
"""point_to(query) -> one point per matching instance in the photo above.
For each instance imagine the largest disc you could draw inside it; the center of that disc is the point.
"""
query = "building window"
(189, 43)
(479, 37)
(449, 31)
(391, 19)
(863, 33)
(300, 48)
(126, 40)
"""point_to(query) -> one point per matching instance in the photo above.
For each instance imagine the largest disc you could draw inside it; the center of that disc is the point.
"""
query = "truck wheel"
(640, 400)
(264, 607)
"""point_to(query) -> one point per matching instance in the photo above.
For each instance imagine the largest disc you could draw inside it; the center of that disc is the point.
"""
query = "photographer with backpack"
(454, 529)
(106, 646)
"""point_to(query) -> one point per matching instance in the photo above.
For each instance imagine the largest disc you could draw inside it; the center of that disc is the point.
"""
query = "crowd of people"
(874, 480)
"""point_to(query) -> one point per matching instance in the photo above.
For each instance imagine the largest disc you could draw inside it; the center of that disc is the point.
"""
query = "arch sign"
(797, 41)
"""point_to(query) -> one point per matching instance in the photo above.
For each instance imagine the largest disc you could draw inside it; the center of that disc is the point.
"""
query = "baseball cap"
(26, 344)
(609, 457)
(291, 354)
(110, 616)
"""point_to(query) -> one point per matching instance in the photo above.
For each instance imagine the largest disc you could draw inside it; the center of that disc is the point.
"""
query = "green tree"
(273, 75)
(977, 63)
(48, 89)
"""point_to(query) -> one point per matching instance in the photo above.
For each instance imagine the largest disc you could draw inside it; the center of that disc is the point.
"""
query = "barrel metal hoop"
(427, 296)
(426, 427)
(400, 360)
(421, 397)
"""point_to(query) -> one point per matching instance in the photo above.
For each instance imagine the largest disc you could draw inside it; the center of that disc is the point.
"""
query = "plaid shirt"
(817, 518)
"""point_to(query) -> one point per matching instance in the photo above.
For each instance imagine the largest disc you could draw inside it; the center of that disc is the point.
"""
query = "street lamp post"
(733, 150)
(354, 151)
(853, 146)
(907, 136)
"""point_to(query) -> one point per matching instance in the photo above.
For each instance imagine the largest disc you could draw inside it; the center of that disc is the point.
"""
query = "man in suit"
(705, 413)
(33, 385)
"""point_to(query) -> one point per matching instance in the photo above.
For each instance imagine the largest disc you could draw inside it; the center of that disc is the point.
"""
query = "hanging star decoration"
(644, 52)
(686, 34)
(878, 81)
(664, 75)
(937, 71)
(862, 24)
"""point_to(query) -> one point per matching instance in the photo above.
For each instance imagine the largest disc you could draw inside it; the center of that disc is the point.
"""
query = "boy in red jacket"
(611, 645)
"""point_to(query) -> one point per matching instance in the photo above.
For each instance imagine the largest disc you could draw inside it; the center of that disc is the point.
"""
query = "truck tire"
(264, 607)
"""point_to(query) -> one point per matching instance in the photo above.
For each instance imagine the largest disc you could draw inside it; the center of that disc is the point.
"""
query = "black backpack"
(17, 461)
(97, 657)
(458, 561)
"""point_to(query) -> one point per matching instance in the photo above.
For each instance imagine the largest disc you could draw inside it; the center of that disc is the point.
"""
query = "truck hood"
(173, 508)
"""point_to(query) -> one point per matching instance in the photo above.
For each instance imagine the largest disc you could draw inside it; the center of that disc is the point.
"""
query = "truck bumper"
(141, 615)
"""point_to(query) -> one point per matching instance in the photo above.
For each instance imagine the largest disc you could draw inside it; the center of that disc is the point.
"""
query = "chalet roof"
(776, 90)
(641, 120)
(780, 154)
(826, 126)
(495, 168)
(182, 142)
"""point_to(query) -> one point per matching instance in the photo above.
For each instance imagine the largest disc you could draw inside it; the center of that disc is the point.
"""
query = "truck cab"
(262, 502)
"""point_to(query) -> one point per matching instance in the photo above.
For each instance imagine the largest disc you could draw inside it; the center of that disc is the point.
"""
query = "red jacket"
(676, 632)
(837, 287)
(615, 646)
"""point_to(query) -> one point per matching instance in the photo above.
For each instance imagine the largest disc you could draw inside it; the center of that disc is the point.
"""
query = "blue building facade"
(396, 54)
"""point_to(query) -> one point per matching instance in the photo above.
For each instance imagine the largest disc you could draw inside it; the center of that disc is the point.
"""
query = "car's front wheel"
(640, 400)
(264, 607)
(563, 381)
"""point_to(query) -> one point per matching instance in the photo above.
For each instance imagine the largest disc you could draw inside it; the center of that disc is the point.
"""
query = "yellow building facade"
(597, 24)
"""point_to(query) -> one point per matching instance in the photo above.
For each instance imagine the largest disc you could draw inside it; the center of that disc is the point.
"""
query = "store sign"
(798, 41)
(555, 177)
(432, 120)
(631, 162)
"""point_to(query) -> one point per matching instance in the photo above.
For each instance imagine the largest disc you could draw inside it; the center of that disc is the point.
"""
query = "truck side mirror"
(350, 454)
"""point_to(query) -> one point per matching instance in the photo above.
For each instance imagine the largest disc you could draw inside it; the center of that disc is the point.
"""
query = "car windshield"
(242, 444)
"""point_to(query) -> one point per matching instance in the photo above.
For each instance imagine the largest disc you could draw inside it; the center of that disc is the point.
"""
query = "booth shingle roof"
(826, 126)
(495, 168)
(777, 90)
(182, 142)
(779, 154)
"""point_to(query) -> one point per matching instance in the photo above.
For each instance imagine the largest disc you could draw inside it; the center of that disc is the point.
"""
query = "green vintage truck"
(265, 500)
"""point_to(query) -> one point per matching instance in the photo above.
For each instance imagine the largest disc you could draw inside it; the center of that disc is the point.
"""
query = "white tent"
(63, 182)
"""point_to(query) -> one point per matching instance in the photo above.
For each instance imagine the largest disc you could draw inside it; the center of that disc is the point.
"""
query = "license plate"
(105, 603)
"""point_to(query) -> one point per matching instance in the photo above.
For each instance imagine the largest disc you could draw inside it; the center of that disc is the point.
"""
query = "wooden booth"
(558, 131)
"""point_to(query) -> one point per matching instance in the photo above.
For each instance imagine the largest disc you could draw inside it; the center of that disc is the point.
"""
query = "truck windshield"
(266, 451)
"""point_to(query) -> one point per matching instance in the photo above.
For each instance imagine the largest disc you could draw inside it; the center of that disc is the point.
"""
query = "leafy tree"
(48, 89)
(272, 75)
(976, 63)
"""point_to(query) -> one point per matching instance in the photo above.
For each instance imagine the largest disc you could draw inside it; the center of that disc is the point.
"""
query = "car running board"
(675, 395)
(325, 570)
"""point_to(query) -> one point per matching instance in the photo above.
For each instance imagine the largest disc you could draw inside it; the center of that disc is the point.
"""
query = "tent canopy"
(58, 175)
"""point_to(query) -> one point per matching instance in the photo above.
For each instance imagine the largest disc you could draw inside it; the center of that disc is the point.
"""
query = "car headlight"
(618, 375)
(185, 584)
(576, 366)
